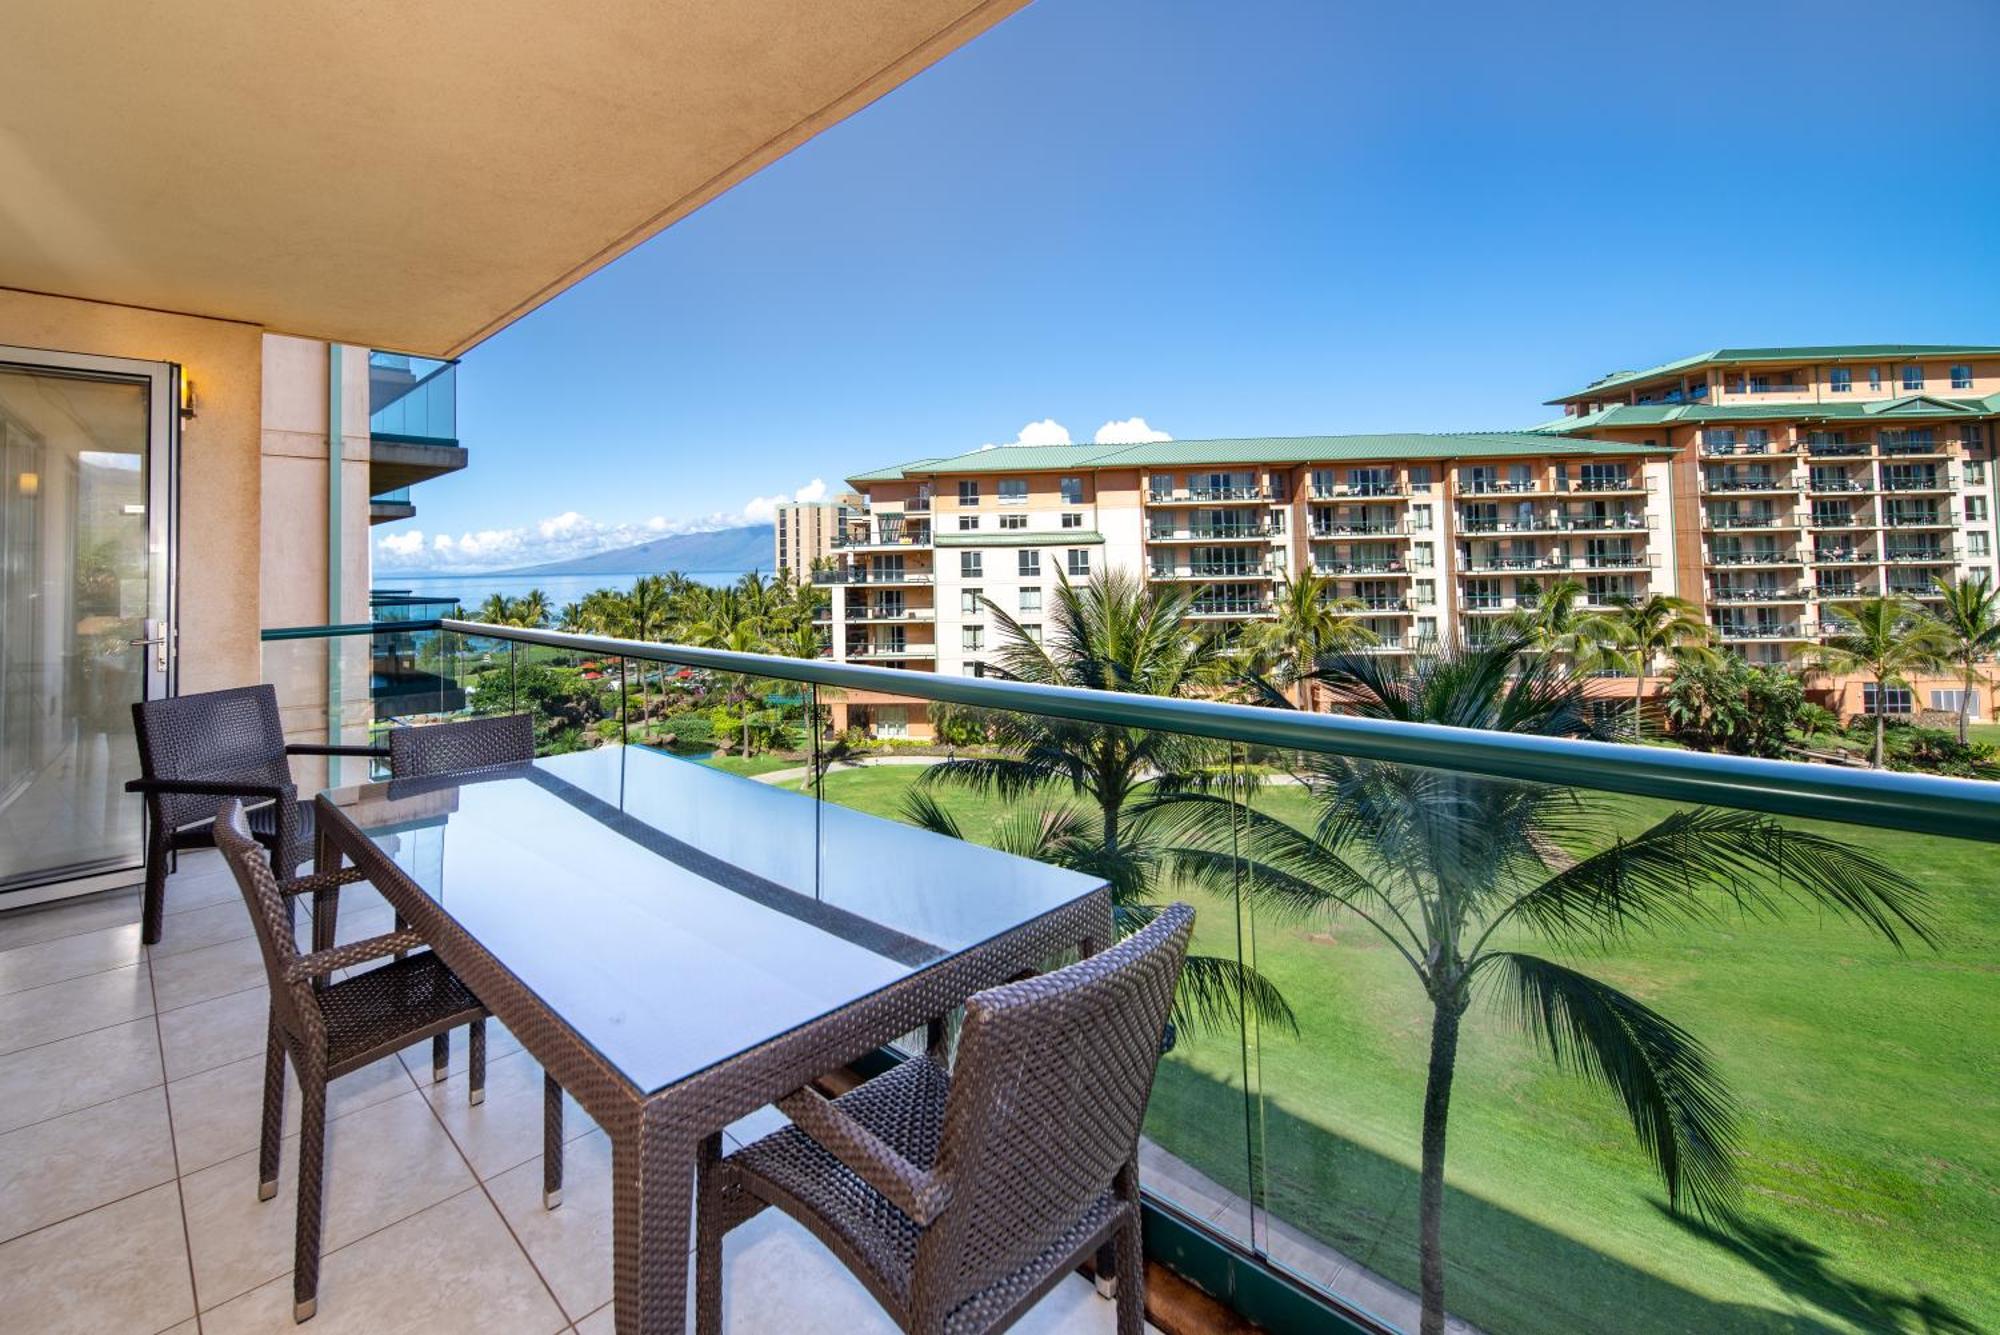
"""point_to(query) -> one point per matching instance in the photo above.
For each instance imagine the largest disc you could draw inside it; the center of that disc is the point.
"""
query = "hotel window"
(1031, 600)
(1160, 485)
(1030, 564)
(1874, 377)
(1420, 480)
(1977, 544)
(968, 602)
(1079, 561)
(1840, 380)
(1013, 521)
(1013, 490)
(1072, 491)
(1322, 482)
(1895, 700)
(1427, 628)
(1975, 509)
(1071, 519)
(1961, 377)
(1420, 516)
(1277, 521)
(1975, 472)
(1423, 555)
(972, 637)
(968, 493)
(970, 565)
(1913, 377)
(1758, 439)
(974, 669)
(1426, 591)
(967, 523)
(1032, 633)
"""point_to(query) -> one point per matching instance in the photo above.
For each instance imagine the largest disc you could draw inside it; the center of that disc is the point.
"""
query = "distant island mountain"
(724, 549)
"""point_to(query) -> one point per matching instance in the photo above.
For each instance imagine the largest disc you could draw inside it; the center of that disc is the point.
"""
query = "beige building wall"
(221, 495)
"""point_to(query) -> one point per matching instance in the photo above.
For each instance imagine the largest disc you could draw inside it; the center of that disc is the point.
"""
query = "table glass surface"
(674, 915)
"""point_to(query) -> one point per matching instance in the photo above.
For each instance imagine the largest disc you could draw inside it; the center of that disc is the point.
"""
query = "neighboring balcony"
(873, 652)
(1749, 521)
(1212, 570)
(1775, 557)
(902, 614)
(1723, 485)
(863, 575)
(1230, 607)
(1725, 596)
(1210, 533)
(412, 429)
(1784, 630)
(885, 538)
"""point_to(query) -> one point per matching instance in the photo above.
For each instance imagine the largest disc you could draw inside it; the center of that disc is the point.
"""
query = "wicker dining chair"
(332, 1028)
(960, 1199)
(196, 749)
(455, 748)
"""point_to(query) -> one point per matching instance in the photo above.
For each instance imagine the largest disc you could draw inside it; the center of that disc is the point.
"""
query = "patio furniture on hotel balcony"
(679, 947)
(960, 1199)
(331, 1028)
(196, 749)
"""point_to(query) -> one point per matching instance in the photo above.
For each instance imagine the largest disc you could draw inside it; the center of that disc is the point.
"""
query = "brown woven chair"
(456, 748)
(961, 1199)
(194, 749)
(329, 1029)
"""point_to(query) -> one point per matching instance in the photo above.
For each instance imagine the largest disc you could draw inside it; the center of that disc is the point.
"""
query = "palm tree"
(1451, 870)
(1642, 630)
(1883, 637)
(1308, 622)
(1554, 622)
(1113, 634)
(642, 615)
(531, 609)
(496, 610)
(1968, 627)
(572, 617)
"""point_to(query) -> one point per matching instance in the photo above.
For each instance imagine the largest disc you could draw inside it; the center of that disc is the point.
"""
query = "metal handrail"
(1925, 804)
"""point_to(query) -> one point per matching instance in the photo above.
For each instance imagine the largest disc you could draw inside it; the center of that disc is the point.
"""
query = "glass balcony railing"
(1589, 1036)
(412, 398)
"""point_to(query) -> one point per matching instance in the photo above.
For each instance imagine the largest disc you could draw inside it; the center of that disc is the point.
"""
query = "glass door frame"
(162, 383)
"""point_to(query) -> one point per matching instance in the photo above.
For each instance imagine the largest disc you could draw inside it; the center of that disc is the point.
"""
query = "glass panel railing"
(1588, 1037)
(414, 398)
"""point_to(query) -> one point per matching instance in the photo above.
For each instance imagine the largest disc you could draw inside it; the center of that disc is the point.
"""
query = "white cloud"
(1048, 431)
(763, 509)
(402, 545)
(1131, 431)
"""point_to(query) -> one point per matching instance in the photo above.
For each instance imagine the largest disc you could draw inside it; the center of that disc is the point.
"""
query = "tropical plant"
(1968, 630)
(1554, 622)
(1643, 630)
(1453, 870)
(1887, 638)
(1309, 620)
(1113, 634)
(1728, 705)
(531, 609)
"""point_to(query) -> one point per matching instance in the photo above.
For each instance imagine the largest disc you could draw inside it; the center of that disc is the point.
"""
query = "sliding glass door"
(85, 445)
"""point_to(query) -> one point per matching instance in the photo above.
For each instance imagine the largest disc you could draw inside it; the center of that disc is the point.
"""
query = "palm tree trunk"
(1430, 1191)
(1880, 704)
(1638, 699)
(1965, 707)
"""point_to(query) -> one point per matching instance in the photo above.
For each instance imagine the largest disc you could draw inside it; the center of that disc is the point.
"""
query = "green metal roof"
(1062, 537)
(1626, 415)
(1254, 450)
(1832, 352)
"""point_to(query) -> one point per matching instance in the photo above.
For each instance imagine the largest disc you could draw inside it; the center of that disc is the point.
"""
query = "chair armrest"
(210, 788)
(919, 1194)
(315, 749)
(315, 882)
(322, 962)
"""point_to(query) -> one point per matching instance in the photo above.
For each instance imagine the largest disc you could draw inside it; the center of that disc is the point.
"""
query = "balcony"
(1840, 484)
(1504, 486)
(1330, 567)
(887, 538)
(1737, 449)
(1617, 560)
(1210, 533)
(1207, 495)
(1483, 563)
(1748, 521)
(1613, 484)
(1211, 570)
(1370, 529)
(863, 575)
(1230, 607)
(1760, 595)
(1788, 630)
(892, 614)
(1717, 486)
(1844, 556)
(1756, 558)
(1925, 482)
(412, 422)
(869, 651)
(1358, 491)
(1837, 449)
(1925, 556)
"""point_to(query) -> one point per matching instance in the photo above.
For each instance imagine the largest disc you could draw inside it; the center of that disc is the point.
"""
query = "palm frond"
(1681, 1109)
(1214, 987)
(924, 811)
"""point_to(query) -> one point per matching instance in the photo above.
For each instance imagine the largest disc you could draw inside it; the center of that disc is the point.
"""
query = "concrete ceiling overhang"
(410, 175)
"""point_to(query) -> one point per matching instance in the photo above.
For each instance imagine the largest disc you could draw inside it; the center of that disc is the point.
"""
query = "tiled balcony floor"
(129, 1090)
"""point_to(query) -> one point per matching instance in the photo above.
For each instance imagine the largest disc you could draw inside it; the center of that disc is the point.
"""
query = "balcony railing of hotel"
(1207, 606)
(1752, 630)
(1760, 594)
(1347, 490)
(1209, 532)
(885, 537)
(1374, 567)
(1370, 528)
(1760, 557)
(1558, 524)
(865, 613)
(1839, 482)
(412, 398)
(862, 575)
(1206, 495)
(1765, 387)
(1282, 1147)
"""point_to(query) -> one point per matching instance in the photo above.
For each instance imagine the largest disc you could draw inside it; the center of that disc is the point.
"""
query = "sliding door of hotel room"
(84, 511)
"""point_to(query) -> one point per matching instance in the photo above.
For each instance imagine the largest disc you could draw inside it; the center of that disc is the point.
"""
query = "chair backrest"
(1048, 1093)
(453, 748)
(294, 1003)
(233, 735)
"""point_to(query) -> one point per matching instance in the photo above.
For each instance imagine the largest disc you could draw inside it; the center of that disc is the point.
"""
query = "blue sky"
(1239, 220)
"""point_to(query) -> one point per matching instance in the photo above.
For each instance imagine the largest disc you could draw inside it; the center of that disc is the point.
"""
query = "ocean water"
(472, 590)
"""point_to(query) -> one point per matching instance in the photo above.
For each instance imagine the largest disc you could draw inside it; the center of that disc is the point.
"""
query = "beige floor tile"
(218, 1114)
(61, 1077)
(500, 1042)
(214, 1033)
(212, 971)
(76, 1162)
(209, 925)
(383, 1164)
(570, 1245)
(449, 1270)
(506, 1129)
(68, 957)
(76, 1006)
(47, 922)
(116, 1270)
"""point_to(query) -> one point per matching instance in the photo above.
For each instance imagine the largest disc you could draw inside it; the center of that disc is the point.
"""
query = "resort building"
(1759, 484)
(806, 530)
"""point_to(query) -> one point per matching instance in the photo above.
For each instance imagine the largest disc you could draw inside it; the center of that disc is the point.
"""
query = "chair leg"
(312, 1181)
(708, 1228)
(441, 1058)
(1131, 1279)
(475, 1059)
(273, 1143)
(154, 906)
(552, 1142)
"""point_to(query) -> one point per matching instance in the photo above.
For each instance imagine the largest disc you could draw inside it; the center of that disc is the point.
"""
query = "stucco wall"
(221, 500)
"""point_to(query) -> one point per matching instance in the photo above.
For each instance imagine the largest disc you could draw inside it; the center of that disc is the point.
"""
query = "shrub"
(1730, 706)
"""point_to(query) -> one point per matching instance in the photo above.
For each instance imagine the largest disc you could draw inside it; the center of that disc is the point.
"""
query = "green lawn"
(764, 764)
(1870, 1083)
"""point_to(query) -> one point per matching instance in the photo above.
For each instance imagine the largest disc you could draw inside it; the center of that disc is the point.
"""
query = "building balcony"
(1506, 487)
(861, 575)
(892, 614)
(1211, 570)
(1787, 630)
(886, 539)
(875, 652)
(1837, 449)
(1840, 485)
(1320, 532)
(1721, 486)
(1726, 596)
(1939, 482)
(1209, 496)
(1740, 450)
(1360, 568)
(1211, 533)
(1925, 556)
(1342, 491)
(391, 506)
(412, 422)
(1844, 556)
(1762, 558)
(1229, 607)
(1485, 563)
(1600, 486)
(1734, 521)
(1616, 560)
(1918, 521)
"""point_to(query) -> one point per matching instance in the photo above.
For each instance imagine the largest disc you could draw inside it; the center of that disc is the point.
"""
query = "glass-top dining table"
(679, 946)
